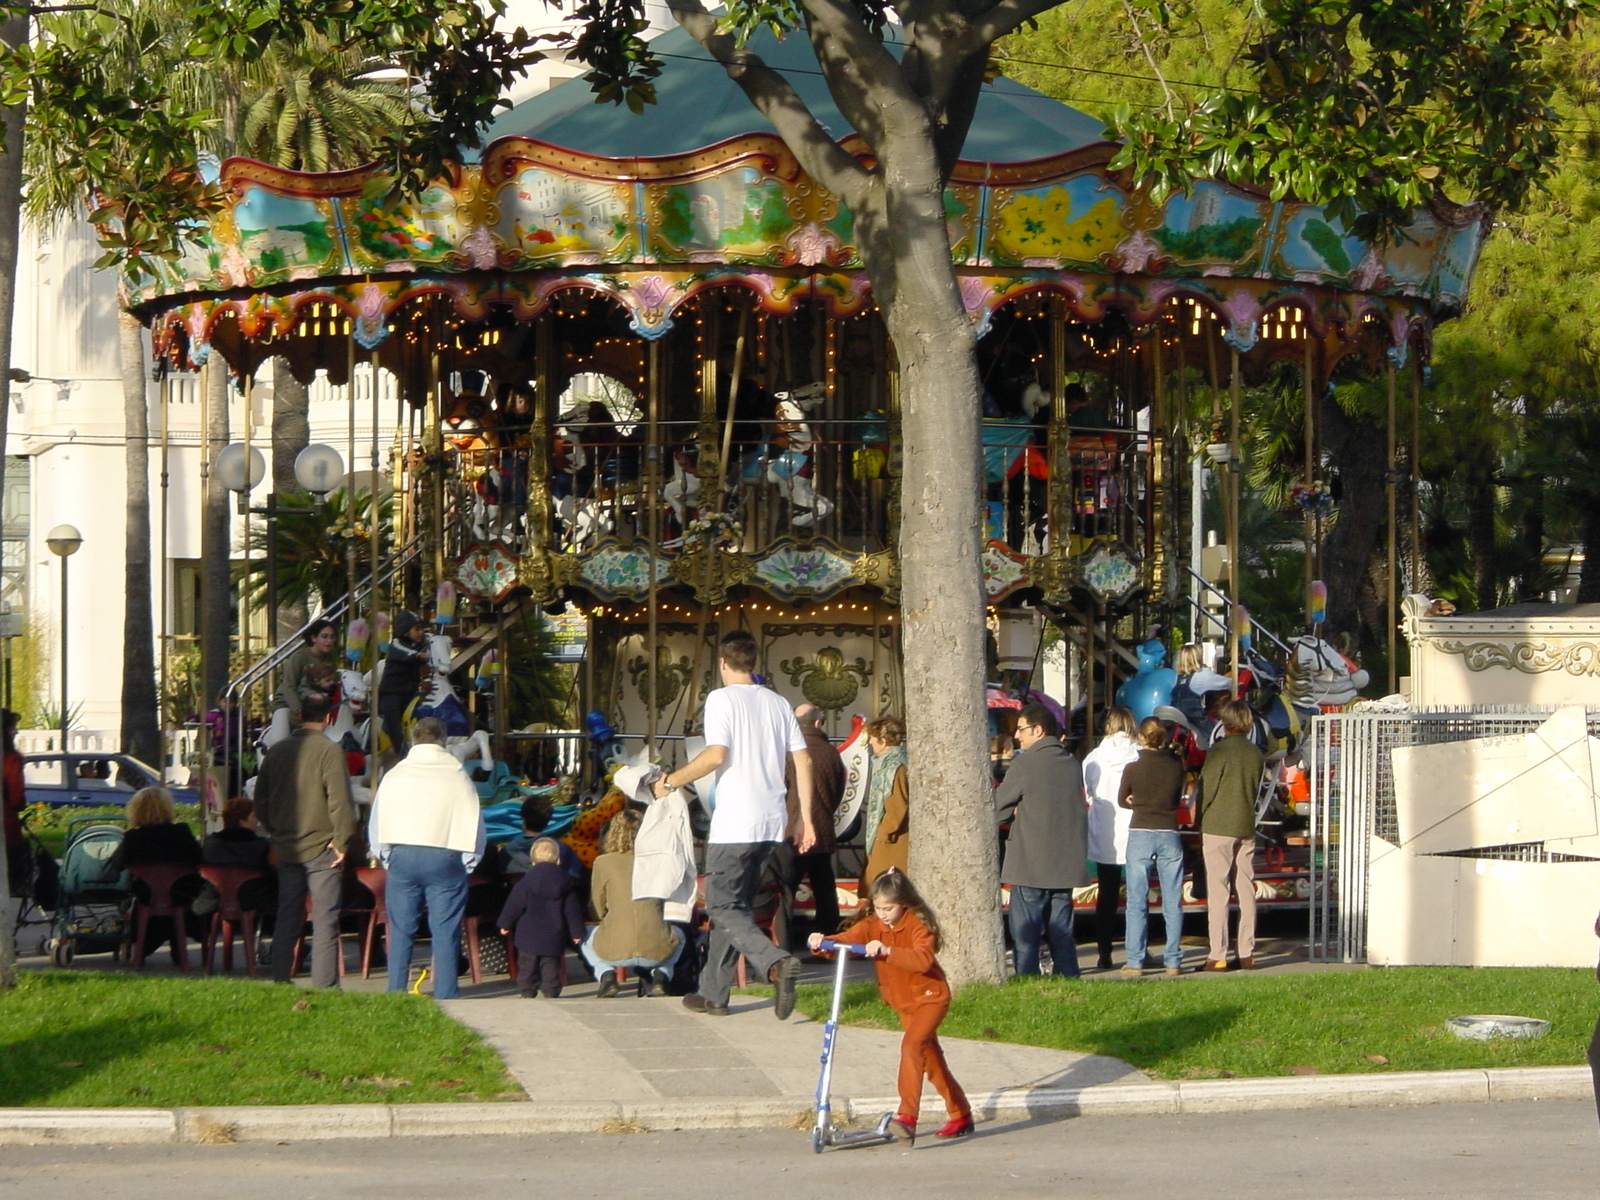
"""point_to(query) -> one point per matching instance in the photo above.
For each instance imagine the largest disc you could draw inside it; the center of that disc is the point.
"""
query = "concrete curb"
(314, 1122)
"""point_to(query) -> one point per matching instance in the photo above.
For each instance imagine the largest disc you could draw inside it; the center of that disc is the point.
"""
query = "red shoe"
(901, 1128)
(956, 1127)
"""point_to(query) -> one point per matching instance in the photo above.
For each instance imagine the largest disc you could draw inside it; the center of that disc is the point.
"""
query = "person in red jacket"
(12, 803)
(901, 935)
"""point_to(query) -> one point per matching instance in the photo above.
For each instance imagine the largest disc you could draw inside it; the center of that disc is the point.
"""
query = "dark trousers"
(1594, 1065)
(733, 879)
(1037, 915)
(545, 968)
(1108, 877)
(324, 882)
(815, 869)
(391, 715)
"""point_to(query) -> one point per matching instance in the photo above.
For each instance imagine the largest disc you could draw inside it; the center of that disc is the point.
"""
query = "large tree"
(1372, 108)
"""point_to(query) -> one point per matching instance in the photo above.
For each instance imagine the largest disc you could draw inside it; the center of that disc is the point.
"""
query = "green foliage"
(81, 1039)
(1372, 110)
(313, 547)
(1334, 1022)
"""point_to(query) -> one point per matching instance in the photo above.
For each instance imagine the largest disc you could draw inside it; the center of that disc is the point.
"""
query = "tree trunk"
(1480, 535)
(216, 600)
(1589, 575)
(141, 729)
(13, 32)
(291, 425)
(954, 848)
(1349, 547)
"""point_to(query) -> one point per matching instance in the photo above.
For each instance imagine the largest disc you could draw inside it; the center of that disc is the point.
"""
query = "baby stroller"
(92, 913)
(36, 881)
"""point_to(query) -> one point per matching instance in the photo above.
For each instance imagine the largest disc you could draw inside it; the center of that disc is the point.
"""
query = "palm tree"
(307, 108)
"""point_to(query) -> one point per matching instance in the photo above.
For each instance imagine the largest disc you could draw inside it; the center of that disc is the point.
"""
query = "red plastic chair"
(375, 880)
(229, 916)
(159, 878)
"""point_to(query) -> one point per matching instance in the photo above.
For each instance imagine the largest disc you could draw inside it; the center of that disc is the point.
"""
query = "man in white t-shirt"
(751, 736)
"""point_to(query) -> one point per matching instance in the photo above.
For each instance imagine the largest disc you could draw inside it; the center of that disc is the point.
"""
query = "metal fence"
(1352, 802)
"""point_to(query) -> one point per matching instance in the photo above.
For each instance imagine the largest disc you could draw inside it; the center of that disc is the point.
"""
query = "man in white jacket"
(427, 829)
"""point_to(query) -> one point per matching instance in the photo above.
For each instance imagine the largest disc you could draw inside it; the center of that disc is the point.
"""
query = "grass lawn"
(1216, 1027)
(77, 1038)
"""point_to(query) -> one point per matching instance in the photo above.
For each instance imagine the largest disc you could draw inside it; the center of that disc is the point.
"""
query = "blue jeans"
(600, 965)
(1037, 914)
(437, 877)
(1162, 848)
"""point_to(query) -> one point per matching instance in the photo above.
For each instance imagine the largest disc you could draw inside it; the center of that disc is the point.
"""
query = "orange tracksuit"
(912, 983)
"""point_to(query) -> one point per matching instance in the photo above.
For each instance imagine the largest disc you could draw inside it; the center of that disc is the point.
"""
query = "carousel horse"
(586, 521)
(441, 700)
(1151, 686)
(1319, 676)
(682, 489)
(353, 691)
(789, 473)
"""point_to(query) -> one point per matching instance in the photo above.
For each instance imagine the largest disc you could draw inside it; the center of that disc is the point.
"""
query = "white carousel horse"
(1320, 675)
(586, 521)
(788, 472)
(353, 685)
(681, 490)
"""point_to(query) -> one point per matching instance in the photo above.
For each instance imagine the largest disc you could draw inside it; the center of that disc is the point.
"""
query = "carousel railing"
(832, 479)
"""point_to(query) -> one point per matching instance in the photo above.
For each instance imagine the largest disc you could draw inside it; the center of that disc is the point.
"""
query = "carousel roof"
(1013, 123)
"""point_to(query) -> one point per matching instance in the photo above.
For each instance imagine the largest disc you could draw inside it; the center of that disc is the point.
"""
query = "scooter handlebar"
(846, 948)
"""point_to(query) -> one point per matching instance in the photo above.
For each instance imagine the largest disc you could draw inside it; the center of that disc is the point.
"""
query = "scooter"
(823, 1133)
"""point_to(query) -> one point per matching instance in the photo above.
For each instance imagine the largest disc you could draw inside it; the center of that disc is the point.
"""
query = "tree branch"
(819, 155)
(993, 24)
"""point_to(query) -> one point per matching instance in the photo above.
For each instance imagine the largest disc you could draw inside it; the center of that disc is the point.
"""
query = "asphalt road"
(1529, 1151)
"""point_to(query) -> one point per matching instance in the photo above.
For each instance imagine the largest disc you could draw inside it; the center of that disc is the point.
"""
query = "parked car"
(88, 779)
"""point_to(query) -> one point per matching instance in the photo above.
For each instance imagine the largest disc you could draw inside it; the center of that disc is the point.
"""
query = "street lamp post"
(64, 541)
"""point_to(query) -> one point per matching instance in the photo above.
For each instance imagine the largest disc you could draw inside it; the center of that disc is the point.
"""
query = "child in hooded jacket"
(901, 937)
(543, 919)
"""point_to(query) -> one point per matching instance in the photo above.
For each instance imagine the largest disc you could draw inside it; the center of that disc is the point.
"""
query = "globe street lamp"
(64, 541)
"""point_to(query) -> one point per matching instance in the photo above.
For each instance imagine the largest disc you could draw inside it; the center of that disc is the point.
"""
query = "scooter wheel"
(816, 1141)
(61, 952)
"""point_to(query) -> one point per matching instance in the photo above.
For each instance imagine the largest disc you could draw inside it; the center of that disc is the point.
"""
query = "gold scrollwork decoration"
(545, 573)
(1054, 574)
(829, 681)
(710, 572)
(1531, 658)
(880, 570)
(671, 677)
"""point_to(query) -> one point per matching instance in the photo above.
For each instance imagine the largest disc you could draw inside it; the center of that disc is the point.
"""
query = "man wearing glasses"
(1047, 854)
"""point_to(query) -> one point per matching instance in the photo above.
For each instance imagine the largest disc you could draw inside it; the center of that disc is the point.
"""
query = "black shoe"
(662, 979)
(608, 986)
(785, 976)
(1104, 963)
(645, 989)
(695, 1002)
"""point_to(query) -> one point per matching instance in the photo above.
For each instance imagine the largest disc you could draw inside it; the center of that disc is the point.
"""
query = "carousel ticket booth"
(642, 382)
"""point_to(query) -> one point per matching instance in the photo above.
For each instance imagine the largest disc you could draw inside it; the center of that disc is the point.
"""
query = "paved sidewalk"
(624, 1049)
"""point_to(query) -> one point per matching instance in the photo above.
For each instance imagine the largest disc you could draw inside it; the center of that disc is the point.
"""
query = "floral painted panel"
(617, 571)
(810, 571)
(487, 572)
(1002, 571)
(396, 235)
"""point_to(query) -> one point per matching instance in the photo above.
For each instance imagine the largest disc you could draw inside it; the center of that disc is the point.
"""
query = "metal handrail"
(233, 708)
(1228, 604)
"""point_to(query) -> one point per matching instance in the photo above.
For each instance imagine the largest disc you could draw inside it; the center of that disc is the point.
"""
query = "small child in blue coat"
(543, 918)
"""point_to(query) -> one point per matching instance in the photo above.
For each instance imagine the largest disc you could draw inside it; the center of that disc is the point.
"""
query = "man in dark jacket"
(303, 803)
(1047, 854)
(828, 777)
(402, 677)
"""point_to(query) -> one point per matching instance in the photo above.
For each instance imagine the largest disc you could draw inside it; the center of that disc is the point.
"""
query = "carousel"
(641, 388)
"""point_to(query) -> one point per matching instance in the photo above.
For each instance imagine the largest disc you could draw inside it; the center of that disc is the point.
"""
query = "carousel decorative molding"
(828, 680)
(1531, 658)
